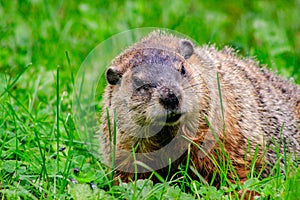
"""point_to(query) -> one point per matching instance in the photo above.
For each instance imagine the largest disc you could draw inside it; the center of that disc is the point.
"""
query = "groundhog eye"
(144, 88)
(182, 70)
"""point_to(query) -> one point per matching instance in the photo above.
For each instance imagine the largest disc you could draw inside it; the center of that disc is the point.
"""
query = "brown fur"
(258, 107)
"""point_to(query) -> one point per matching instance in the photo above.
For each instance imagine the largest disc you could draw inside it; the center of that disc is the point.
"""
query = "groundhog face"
(152, 92)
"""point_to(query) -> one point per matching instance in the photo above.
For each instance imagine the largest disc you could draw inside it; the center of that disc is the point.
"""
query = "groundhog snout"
(169, 99)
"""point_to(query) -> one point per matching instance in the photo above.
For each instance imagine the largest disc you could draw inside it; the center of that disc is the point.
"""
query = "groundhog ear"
(113, 75)
(186, 48)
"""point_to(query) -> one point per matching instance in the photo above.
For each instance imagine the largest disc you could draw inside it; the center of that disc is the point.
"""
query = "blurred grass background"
(38, 33)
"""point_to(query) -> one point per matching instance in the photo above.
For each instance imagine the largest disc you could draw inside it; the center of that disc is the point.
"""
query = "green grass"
(42, 45)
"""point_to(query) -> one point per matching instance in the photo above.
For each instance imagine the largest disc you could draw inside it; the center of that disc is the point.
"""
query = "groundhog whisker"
(195, 76)
(191, 86)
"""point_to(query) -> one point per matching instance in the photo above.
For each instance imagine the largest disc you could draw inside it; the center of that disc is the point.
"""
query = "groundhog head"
(153, 88)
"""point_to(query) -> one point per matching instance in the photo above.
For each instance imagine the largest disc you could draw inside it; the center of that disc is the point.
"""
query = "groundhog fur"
(163, 97)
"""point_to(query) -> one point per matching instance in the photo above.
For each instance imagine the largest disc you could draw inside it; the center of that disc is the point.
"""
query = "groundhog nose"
(168, 99)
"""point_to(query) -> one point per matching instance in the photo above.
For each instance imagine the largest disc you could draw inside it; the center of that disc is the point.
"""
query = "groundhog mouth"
(170, 119)
(173, 117)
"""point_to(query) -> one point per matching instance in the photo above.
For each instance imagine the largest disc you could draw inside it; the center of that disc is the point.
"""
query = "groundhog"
(170, 103)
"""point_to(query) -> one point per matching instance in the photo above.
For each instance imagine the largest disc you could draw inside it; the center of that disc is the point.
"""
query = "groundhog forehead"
(150, 56)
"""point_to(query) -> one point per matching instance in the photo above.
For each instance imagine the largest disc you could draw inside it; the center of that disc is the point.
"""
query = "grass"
(42, 45)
